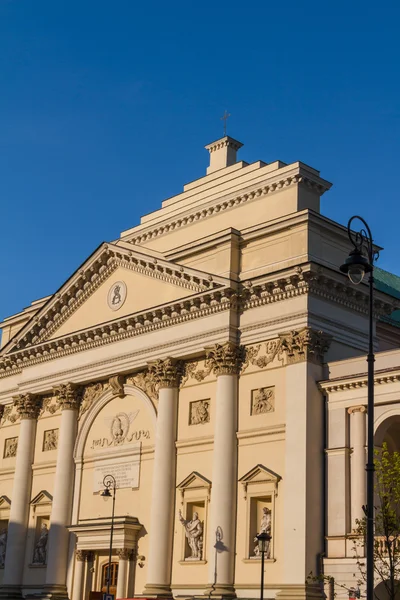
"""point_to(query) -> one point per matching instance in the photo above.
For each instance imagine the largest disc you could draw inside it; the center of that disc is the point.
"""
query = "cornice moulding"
(131, 326)
(295, 175)
(94, 272)
(308, 279)
(352, 382)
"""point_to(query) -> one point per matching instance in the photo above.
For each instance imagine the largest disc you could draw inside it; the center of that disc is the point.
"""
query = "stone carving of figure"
(3, 545)
(263, 401)
(51, 439)
(199, 412)
(40, 552)
(265, 527)
(194, 534)
(11, 448)
(116, 299)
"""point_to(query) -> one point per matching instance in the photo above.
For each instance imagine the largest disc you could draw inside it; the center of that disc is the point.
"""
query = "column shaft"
(19, 512)
(221, 552)
(62, 501)
(163, 495)
(357, 465)
(123, 565)
(77, 590)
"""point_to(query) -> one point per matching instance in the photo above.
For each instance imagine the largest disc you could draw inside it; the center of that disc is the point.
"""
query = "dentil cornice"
(132, 326)
(276, 183)
(306, 279)
(355, 382)
(92, 274)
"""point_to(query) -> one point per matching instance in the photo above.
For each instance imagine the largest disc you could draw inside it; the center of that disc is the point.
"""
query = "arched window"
(113, 580)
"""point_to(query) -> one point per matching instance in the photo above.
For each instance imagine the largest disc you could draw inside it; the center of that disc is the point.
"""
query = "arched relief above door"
(114, 426)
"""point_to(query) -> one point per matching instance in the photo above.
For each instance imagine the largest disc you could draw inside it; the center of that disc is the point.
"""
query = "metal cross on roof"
(224, 119)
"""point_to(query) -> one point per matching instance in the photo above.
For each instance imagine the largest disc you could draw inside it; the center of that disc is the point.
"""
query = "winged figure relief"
(119, 425)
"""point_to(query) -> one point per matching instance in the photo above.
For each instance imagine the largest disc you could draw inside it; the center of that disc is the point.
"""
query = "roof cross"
(224, 119)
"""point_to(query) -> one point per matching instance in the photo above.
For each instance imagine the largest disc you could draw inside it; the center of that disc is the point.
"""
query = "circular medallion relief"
(116, 295)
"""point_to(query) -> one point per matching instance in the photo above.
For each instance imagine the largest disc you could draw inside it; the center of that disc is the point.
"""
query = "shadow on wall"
(381, 591)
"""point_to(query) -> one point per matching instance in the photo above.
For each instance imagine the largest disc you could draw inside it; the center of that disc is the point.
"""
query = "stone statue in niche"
(50, 440)
(10, 447)
(194, 535)
(40, 552)
(199, 412)
(263, 401)
(265, 527)
(3, 546)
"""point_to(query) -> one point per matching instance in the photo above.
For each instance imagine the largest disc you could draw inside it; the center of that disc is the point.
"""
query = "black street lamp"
(110, 483)
(263, 546)
(359, 262)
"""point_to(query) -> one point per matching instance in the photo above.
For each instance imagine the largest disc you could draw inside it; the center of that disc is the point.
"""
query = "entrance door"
(113, 580)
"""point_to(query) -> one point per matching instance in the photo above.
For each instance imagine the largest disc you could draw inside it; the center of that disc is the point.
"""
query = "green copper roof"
(389, 284)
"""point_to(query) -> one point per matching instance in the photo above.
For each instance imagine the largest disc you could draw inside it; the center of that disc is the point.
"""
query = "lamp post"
(263, 545)
(110, 483)
(359, 262)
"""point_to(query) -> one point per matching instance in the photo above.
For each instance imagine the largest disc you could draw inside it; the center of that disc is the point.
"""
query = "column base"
(11, 592)
(300, 592)
(220, 590)
(156, 590)
(50, 592)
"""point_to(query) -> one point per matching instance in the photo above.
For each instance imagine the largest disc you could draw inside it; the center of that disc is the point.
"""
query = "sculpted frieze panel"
(262, 400)
(91, 393)
(199, 412)
(50, 406)
(146, 382)
(10, 414)
(50, 440)
(261, 355)
(10, 447)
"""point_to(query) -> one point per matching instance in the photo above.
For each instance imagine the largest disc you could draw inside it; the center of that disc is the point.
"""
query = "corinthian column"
(69, 397)
(225, 361)
(357, 462)
(28, 407)
(125, 555)
(82, 558)
(302, 533)
(167, 374)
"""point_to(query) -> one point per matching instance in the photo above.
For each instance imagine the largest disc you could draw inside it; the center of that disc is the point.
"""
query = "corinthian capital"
(167, 373)
(305, 344)
(224, 359)
(84, 556)
(125, 553)
(28, 405)
(69, 396)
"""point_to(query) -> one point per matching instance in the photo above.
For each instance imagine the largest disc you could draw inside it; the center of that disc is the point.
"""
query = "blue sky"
(105, 108)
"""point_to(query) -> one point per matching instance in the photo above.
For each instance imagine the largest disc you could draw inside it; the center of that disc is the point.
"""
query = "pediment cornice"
(298, 175)
(308, 279)
(106, 259)
(194, 307)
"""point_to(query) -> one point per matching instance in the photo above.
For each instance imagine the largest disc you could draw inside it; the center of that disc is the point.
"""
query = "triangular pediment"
(43, 497)
(5, 502)
(115, 281)
(194, 481)
(260, 474)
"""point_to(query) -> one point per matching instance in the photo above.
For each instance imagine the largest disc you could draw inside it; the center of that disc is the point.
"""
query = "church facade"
(211, 363)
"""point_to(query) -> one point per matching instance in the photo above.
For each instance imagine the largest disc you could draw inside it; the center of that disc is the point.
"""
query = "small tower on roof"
(222, 153)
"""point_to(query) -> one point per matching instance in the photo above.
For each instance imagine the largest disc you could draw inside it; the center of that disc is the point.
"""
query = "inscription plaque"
(125, 470)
